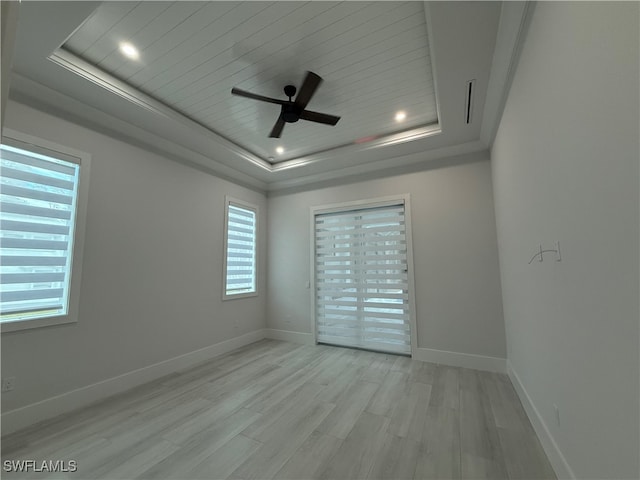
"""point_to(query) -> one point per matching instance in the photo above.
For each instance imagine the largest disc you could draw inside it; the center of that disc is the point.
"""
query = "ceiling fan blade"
(277, 128)
(308, 88)
(244, 93)
(319, 117)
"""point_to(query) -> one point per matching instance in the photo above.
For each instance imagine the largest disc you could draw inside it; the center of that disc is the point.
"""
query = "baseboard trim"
(22, 417)
(457, 359)
(454, 359)
(558, 462)
(289, 336)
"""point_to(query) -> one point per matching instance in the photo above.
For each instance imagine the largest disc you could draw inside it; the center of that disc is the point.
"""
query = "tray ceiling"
(373, 57)
(376, 58)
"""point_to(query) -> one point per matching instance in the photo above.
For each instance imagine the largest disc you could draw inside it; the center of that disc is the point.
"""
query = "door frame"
(404, 199)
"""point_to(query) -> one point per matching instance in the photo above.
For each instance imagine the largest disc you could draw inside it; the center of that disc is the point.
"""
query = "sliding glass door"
(361, 280)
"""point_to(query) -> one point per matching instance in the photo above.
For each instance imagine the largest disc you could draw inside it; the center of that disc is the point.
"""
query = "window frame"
(38, 145)
(228, 200)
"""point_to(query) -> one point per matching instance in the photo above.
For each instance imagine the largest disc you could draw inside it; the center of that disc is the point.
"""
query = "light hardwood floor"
(286, 411)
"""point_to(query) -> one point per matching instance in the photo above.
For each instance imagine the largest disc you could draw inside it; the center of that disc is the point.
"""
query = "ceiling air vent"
(468, 101)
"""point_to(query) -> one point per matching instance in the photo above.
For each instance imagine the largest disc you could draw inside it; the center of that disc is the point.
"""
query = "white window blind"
(38, 196)
(241, 250)
(362, 289)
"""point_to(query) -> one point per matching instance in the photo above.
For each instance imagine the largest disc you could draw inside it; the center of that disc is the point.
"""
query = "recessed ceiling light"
(400, 116)
(129, 51)
(279, 150)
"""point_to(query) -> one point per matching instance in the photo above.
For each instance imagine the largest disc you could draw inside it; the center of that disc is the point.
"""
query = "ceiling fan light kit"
(293, 110)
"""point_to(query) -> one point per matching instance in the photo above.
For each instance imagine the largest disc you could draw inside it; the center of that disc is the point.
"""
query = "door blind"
(362, 290)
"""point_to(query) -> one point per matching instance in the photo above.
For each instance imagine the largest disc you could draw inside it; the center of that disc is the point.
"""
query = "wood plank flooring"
(277, 410)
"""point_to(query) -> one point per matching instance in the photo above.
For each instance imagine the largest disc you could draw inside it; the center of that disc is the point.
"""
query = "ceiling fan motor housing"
(291, 113)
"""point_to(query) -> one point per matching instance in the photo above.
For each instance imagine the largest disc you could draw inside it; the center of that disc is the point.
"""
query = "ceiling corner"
(9, 19)
(515, 18)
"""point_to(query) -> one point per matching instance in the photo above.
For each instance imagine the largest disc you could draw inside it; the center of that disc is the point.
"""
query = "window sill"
(19, 325)
(238, 295)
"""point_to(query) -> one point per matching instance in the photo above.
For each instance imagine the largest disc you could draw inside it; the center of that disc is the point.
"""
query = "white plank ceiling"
(373, 57)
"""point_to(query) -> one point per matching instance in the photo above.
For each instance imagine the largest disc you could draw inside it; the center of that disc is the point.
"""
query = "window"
(42, 187)
(240, 249)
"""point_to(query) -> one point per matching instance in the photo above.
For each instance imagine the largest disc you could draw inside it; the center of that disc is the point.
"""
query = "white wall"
(565, 167)
(458, 302)
(152, 271)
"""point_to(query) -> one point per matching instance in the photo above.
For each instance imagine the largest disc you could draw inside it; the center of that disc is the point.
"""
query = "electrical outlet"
(557, 410)
(8, 384)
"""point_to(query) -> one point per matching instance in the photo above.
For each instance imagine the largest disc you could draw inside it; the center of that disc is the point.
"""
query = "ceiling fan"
(293, 110)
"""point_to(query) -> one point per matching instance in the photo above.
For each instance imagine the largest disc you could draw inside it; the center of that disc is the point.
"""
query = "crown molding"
(515, 18)
(47, 100)
(101, 78)
(43, 98)
(446, 156)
